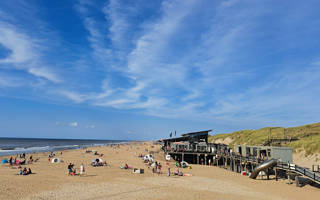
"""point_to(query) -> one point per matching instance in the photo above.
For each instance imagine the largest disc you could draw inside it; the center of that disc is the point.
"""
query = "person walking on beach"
(82, 170)
(10, 160)
(70, 171)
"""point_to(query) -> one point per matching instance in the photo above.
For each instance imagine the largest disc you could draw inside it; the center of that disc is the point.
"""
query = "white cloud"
(73, 124)
(117, 14)
(24, 52)
(76, 97)
(9, 81)
(163, 66)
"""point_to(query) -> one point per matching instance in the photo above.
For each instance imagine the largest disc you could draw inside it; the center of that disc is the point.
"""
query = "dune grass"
(308, 135)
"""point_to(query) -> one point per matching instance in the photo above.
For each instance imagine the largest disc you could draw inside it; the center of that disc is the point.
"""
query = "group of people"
(72, 169)
(15, 161)
(25, 171)
(157, 168)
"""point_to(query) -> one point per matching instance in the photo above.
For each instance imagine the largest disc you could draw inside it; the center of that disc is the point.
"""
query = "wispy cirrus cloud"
(24, 51)
(195, 83)
(222, 62)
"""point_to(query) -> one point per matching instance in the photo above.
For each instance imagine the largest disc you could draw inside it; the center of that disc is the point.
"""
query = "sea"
(13, 146)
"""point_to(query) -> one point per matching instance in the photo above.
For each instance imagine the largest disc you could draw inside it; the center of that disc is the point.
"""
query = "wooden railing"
(314, 176)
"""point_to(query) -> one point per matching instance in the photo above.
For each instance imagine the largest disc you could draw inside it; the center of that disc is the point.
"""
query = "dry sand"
(50, 181)
(301, 159)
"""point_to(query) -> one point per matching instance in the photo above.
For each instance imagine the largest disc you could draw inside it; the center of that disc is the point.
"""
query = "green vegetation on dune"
(308, 135)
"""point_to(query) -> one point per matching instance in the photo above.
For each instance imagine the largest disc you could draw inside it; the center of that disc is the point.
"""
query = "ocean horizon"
(14, 145)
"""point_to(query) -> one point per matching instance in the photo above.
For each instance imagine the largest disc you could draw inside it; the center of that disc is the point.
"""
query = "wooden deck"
(237, 163)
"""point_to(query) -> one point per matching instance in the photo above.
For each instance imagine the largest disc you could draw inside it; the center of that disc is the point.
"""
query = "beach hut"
(3, 161)
(55, 160)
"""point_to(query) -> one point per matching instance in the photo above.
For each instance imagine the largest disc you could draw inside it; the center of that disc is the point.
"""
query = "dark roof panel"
(199, 133)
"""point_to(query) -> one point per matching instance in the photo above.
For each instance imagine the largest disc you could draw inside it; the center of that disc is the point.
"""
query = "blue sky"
(141, 69)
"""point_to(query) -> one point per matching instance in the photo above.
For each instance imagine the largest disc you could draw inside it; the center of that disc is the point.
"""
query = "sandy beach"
(50, 180)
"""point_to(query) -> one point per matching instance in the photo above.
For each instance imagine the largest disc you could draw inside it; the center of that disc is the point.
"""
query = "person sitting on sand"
(126, 166)
(25, 171)
(23, 162)
(30, 159)
(13, 161)
(178, 173)
(29, 171)
(20, 172)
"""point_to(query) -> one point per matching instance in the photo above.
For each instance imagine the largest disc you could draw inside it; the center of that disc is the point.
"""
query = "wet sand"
(51, 181)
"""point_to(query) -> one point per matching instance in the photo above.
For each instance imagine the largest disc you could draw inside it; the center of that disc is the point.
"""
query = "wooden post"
(182, 156)
(197, 158)
(276, 174)
(205, 159)
(268, 174)
(297, 181)
(269, 133)
(313, 168)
